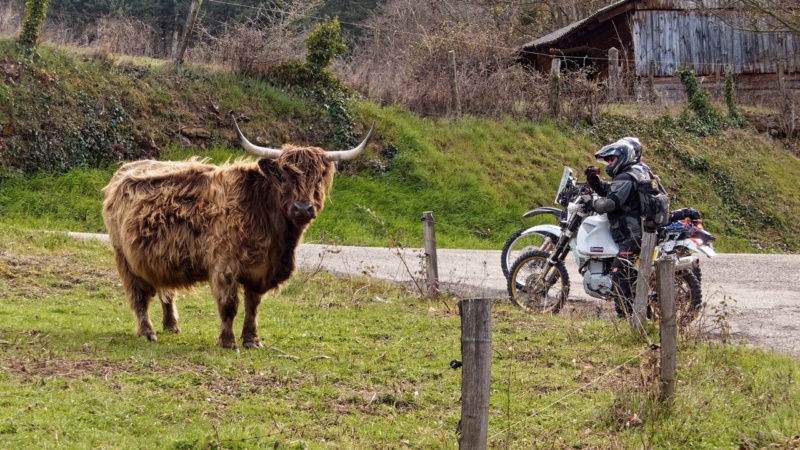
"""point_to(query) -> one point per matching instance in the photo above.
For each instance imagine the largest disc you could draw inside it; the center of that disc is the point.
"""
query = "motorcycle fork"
(560, 251)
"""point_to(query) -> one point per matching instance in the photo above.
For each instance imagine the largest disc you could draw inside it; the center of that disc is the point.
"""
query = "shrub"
(124, 35)
(323, 44)
(702, 118)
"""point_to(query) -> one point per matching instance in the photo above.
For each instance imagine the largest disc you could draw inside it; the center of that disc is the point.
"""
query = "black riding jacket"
(619, 197)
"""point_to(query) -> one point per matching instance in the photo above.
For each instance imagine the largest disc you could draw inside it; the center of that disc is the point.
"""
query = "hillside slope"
(72, 117)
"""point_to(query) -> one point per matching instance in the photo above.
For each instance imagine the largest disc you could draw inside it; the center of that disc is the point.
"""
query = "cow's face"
(304, 173)
(304, 176)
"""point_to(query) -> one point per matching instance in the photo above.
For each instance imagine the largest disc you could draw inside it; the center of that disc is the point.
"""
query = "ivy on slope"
(734, 194)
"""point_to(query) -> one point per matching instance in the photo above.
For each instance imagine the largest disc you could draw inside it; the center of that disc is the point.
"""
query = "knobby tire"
(524, 291)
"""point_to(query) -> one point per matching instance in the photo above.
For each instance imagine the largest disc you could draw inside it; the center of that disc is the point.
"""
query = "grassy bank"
(348, 363)
(69, 118)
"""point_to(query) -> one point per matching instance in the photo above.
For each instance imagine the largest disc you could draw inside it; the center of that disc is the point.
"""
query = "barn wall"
(682, 4)
(691, 38)
(750, 88)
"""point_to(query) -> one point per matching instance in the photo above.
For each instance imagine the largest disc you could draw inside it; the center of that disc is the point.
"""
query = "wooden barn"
(656, 37)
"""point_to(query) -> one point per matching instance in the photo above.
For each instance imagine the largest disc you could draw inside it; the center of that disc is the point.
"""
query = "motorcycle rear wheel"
(526, 288)
(688, 298)
(517, 244)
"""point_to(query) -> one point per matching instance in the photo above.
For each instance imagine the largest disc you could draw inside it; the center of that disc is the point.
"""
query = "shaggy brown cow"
(172, 224)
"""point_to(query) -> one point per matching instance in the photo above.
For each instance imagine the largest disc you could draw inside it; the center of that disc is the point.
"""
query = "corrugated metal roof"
(558, 34)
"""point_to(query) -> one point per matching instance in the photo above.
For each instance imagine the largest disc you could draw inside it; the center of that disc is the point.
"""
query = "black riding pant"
(628, 235)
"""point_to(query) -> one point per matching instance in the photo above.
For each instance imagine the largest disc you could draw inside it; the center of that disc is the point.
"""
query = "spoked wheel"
(688, 298)
(533, 287)
(519, 243)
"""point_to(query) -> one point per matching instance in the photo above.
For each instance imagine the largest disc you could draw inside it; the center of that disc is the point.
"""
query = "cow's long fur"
(173, 224)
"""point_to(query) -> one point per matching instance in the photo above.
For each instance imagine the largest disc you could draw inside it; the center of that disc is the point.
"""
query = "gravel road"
(760, 292)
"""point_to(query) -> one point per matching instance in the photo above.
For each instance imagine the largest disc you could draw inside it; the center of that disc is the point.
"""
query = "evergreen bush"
(702, 118)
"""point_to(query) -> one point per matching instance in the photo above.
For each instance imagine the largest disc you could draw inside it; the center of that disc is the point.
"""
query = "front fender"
(544, 229)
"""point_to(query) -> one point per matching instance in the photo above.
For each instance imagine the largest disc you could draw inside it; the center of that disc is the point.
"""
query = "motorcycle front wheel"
(688, 298)
(529, 289)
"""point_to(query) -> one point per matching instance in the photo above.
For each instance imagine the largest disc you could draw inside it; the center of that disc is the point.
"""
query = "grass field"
(349, 363)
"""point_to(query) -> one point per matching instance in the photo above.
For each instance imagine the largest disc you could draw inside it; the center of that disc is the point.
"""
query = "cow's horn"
(345, 155)
(264, 152)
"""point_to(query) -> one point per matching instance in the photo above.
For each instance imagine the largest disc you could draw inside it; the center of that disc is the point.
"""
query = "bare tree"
(271, 35)
(10, 17)
(765, 16)
(403, 59)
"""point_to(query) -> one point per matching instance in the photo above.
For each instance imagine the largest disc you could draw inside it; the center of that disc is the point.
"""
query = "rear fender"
(694, 248)
(543, 210)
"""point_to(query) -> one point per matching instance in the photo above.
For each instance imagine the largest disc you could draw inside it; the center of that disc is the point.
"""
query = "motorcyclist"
(619, 199)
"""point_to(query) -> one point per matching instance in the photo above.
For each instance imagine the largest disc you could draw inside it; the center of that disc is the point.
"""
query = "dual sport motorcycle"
(538, 279)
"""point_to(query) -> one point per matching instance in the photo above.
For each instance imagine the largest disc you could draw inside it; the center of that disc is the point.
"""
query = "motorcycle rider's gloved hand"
(588, 203)
(591, 172)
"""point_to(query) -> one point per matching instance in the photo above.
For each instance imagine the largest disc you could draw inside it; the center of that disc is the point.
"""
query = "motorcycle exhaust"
(687, 262)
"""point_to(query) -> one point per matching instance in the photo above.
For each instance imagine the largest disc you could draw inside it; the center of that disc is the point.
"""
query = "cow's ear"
(269, 168)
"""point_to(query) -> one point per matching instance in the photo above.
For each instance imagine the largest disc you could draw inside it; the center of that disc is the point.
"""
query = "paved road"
(760, 291)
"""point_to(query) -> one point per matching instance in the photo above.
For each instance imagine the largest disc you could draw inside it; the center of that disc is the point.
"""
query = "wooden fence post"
(194, 10)
(431, 261)
(613, 75)
(665, 279)
(476, 375)
(639, 313)
(555, 88)
(782, 78)
(456, 100)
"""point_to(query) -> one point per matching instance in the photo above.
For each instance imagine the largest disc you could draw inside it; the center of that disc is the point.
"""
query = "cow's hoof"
(151, 337)
(253, 345)
(173, 329)
(229, 345)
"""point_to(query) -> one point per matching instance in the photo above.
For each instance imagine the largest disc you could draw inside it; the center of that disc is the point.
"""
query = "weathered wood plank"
(678, 38)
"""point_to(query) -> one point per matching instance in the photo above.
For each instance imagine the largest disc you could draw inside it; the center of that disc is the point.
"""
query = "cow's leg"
(226, 292)
(170, 309)
(250, 328)
(139, 294)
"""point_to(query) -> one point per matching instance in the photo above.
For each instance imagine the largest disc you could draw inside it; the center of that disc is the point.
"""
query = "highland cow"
(173, 224)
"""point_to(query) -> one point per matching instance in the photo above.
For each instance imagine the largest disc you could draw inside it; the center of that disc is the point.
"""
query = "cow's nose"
(303, 211)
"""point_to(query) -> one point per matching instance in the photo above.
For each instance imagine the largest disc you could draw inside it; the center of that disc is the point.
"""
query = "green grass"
(343, 370)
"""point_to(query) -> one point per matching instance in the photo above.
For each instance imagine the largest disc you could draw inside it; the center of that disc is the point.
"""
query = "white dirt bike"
(538, 279)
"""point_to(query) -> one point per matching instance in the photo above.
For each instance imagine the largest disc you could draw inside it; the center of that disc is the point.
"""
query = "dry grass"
(10, 18)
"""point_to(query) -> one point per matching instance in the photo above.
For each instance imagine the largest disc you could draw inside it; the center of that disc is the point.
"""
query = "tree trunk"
(35, 12)
(187, 33)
